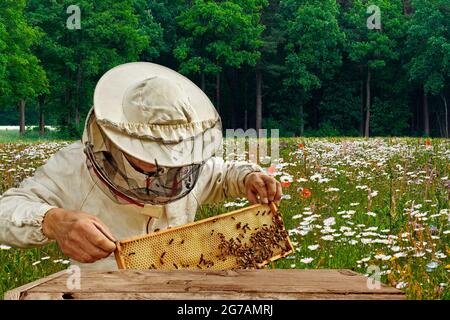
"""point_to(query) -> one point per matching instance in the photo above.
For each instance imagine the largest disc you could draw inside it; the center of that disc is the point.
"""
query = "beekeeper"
(147, 160)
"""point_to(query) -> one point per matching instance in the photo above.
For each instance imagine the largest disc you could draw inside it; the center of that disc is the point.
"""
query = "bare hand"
(82, 237)
(267, 188)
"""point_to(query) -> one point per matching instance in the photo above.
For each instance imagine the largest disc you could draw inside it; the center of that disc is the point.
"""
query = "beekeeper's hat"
(153, 113)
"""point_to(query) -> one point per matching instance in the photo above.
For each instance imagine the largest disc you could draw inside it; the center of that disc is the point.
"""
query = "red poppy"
(301, 146)
(428, 142)
(306, 193)
(286, 184)
(272, 170)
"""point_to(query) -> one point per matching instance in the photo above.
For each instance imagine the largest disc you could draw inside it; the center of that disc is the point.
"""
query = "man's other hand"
(267, 188)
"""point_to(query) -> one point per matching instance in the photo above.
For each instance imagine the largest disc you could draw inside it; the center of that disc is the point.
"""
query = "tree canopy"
(306, 67)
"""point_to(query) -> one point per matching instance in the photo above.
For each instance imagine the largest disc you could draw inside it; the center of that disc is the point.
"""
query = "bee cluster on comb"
(260, 249)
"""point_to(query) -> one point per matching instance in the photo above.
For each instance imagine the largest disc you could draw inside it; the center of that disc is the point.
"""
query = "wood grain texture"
(211, 285)
(16, 294)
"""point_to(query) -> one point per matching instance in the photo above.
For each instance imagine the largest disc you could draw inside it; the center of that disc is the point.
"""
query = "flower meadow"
(17, 267)
(364, 205)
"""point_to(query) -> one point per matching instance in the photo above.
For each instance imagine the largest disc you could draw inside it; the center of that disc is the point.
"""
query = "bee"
(182, 241)
(131, 253)
(214, 220)
(238, 226)
(212, 232)
(161, 261)
(176, 267)
(170, 242)
(233, 218)
(153, 266)
(163, 254)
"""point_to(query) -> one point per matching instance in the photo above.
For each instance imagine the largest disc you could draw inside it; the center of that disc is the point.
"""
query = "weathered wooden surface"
(211, 285)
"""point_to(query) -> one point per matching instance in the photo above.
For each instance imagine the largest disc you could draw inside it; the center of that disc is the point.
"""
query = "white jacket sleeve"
(23, 209)
(221, 180)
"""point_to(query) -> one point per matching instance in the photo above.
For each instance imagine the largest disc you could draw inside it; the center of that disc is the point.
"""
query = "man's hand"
(80, 236)
(267, 188)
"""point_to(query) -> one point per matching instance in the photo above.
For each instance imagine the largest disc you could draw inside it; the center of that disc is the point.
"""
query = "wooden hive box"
(207, 285)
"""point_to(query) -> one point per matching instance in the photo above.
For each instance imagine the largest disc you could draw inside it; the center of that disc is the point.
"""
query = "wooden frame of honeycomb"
(248, 238)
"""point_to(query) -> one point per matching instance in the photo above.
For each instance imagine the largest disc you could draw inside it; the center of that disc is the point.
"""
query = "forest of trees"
(306, 67)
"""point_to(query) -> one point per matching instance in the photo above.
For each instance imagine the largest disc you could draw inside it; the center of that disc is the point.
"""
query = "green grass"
(12, 136)
(16, 267)
(405, 183)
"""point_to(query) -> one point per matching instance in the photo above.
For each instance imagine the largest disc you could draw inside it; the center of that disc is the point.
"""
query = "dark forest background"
(306, 67)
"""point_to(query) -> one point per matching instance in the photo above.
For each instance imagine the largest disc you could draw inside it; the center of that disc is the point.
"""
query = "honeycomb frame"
(248, 238)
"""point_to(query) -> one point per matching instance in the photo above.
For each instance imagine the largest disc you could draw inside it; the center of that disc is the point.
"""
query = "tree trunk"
(67, 105)
(259, 80)
(234, 98)
(22, 116)
(368, 100)
(41, 116)
(441, 126)
(203, 82)
(407, 9)
(77, 115)
(302, 121)
(426, 114)
(315, 109)
(68, 97)
(77, 107)
(361, 123)
(444, 99)
(418, 113)
(245, 106)
(218, 92)
(246, 120)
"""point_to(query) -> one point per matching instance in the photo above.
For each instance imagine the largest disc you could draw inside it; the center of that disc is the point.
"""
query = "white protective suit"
(64, 182)
(140, 107)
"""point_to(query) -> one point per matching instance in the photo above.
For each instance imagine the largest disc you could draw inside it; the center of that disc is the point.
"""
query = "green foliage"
(389, 117)
(312, 49)
(340, 108)
(21, 75)
(69, 131)
(314, 58)
(314, 39)
(428, 45)
(111, 33)
(287, 130)
(151, 29)
(219, 34)
(373, 48)
(165, 13)
(327, 129)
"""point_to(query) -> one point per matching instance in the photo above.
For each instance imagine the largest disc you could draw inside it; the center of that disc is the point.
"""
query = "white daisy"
(307, 260)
